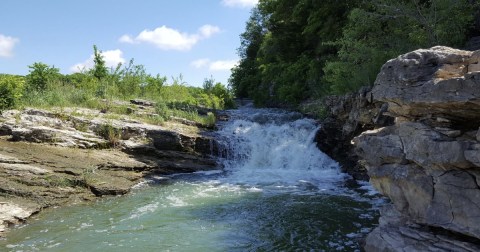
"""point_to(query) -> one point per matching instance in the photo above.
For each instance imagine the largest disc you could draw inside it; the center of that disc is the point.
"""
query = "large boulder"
(428, 162)
(436, 82)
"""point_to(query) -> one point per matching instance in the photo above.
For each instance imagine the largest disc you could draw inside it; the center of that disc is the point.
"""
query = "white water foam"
(149, 208)
(278, 149)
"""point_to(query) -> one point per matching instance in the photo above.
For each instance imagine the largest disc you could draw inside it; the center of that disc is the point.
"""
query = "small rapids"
(276, 192)
(270, 147)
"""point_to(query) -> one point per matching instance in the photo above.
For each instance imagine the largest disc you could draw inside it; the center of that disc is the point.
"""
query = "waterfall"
(273, 147)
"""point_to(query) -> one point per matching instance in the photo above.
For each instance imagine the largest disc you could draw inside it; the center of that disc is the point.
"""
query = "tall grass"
(172, 100)
(45, 87)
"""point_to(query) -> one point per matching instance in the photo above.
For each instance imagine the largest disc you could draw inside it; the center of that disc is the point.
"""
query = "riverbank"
(65, 156)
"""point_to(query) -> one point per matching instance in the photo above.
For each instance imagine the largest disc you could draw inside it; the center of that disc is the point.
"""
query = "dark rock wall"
(347, 117)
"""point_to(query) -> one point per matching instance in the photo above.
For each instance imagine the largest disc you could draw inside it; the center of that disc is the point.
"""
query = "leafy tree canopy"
(295, 50)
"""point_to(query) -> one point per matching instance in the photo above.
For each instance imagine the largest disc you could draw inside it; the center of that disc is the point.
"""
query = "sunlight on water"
(278, 192)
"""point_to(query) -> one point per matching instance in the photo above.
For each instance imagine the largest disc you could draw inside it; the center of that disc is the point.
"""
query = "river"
(276, 192)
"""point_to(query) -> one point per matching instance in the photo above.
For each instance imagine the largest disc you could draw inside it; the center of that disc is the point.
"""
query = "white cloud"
(6, 45)
(222, 65)
(207, 31)
(111, 57)
(219, 65)
(240, 3)
(167, 38)
(200, 63)
(126, 39)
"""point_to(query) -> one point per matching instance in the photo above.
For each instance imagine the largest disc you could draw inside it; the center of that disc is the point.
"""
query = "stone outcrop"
(52, 158)
(427, 163)
(346, 117)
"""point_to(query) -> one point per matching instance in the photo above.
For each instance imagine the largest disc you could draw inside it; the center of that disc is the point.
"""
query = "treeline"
(295, 50)
(45, 86)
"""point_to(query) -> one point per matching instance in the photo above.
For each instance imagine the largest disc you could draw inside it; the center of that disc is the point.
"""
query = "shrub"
(110, 133)
(11, 89)
(162, 110)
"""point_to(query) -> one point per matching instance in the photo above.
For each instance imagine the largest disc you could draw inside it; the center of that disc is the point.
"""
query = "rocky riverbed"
(63, 156)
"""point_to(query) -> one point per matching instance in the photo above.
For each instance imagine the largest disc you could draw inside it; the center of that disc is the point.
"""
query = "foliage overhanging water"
(277, 191)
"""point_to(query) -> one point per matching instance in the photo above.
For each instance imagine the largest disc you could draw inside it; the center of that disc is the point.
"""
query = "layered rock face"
(54, 158)
(348, 116)
(428, 162)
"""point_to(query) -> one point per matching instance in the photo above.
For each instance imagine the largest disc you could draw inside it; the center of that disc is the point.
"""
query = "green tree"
(295, 50)
(40, 75)
(284, 48)
(245, 78)
(131, 80)
(220, 91)
(208, 84)
(99, 70)
(154, 85)
(383, 29)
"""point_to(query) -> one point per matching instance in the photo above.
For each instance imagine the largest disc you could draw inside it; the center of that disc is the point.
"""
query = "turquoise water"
(203, 214)
(276, 192)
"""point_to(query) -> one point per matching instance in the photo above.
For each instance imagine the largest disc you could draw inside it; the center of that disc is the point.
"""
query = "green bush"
(110, 133)
(162, 110)
(11, 89)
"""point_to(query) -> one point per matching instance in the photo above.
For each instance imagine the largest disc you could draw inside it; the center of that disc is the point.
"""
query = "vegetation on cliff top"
(295, 50)
(100, 86)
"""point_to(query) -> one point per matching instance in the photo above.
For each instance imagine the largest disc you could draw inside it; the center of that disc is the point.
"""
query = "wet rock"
(169, 140)
(395, 234)
(473, 154)
(11, 214)
(206, 146)
(103, 184)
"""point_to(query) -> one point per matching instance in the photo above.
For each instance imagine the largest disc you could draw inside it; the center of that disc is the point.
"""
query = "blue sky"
(196, 38)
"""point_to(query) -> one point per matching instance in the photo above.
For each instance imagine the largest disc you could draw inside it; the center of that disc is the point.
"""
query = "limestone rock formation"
(51, 158)
(428, 162)
(439, 83)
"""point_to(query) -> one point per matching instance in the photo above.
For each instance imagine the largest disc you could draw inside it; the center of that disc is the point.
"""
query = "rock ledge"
(428, 162)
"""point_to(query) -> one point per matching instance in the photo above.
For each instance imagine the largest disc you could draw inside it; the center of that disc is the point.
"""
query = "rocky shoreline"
(416, 133)
(65, 156)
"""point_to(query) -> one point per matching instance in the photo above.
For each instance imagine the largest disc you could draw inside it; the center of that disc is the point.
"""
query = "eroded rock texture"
(50, 158)
(428, 162)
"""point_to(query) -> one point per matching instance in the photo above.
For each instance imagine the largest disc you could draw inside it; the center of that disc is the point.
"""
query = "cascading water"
(276, 192)
(269, 147)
